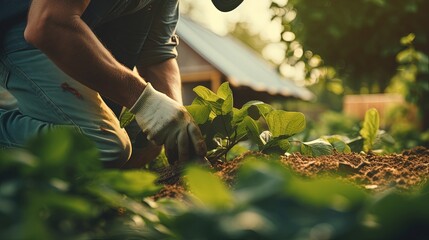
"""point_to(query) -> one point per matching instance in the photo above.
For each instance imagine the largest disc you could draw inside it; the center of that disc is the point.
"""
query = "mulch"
(405, 171)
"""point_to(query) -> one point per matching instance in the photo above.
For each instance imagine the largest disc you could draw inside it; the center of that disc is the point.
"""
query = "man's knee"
(114, 146)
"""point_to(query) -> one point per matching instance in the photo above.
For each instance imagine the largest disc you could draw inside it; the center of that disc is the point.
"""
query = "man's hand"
(167, 122)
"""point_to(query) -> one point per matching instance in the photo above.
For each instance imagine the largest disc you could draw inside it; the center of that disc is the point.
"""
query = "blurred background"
(331, 60)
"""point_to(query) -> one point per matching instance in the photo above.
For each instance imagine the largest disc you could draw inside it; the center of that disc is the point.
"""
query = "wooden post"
(216, 80)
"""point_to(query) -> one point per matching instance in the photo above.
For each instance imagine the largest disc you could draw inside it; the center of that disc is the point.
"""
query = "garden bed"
(405, 171)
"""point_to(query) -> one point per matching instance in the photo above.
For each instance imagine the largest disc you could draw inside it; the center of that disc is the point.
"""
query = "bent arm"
(56, 28)
(165, 77)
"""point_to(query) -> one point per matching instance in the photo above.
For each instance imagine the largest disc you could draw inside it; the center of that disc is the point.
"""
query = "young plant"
(370, 128)
(371, 138)
(271, 130)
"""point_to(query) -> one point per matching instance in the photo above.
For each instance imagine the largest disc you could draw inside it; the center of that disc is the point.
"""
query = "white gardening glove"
(167, 122)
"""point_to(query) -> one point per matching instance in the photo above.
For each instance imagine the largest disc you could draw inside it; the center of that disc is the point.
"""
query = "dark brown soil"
(405, 171)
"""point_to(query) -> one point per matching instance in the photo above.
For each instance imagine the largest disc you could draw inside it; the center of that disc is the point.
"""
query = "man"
(64, 54)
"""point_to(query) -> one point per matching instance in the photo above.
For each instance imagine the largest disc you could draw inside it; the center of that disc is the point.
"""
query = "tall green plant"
(412, 78)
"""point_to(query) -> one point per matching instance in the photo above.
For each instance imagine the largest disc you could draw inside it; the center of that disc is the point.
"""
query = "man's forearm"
(55, 27)
(165, 77)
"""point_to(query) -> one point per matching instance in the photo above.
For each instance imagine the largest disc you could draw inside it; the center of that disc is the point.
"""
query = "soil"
(406, 171)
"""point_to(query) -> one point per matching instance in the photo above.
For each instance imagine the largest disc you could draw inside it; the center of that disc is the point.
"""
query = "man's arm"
(165, 77)
(56, 28)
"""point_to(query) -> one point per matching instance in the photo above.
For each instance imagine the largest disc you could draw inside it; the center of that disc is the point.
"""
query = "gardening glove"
(167, 122)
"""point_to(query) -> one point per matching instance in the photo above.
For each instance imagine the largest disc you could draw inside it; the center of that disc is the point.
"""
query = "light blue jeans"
(48, 98)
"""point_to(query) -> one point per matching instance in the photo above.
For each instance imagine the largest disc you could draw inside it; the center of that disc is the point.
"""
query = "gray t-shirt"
(136, 31)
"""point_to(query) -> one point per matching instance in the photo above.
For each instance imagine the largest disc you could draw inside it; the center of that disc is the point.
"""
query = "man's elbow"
(37, 32)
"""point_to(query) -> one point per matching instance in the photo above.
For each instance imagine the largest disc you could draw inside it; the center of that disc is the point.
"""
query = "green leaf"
(208, 188)
(408, 40)
(126, 117)
(116, 199)
(19, 159)
(260, 180)
(68, 203)
(65, 154)
(277, 145)
(210, 99)
(249, 128)
(254, 109)
(318, 147)
(54, 149)
(132, 182)
(235, 151)
(227, 105)
(340, 196)
(238, 115)
(356, 144)
(404, 218)
(370, 128)
(222, 126)
(200, 113)
(284, 144)
(198, 101)
(224, 91)
(206, 94)
(405, 56)
(282, 123)
(338, 144)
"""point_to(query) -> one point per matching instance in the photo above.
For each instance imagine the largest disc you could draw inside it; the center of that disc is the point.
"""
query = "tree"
(359, 38)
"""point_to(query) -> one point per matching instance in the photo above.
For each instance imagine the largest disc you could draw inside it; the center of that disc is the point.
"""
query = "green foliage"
(271, 130)
(370, 127)
(270, 202)
(371, 138)
(358, 38)
(56, 189)
(317, 147)
(412, 78)
(338, 143)
(80, 200)
(404, 130)
(281, 123)
(212, 192)
(200, 113)
(130, 182)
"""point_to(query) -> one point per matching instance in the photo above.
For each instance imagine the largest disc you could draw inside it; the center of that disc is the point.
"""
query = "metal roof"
(239, 63)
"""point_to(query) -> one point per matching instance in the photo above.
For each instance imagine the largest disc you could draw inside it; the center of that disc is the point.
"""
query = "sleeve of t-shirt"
(160, 45)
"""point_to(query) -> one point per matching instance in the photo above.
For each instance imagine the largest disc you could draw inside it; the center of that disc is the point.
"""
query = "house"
(208, 59)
